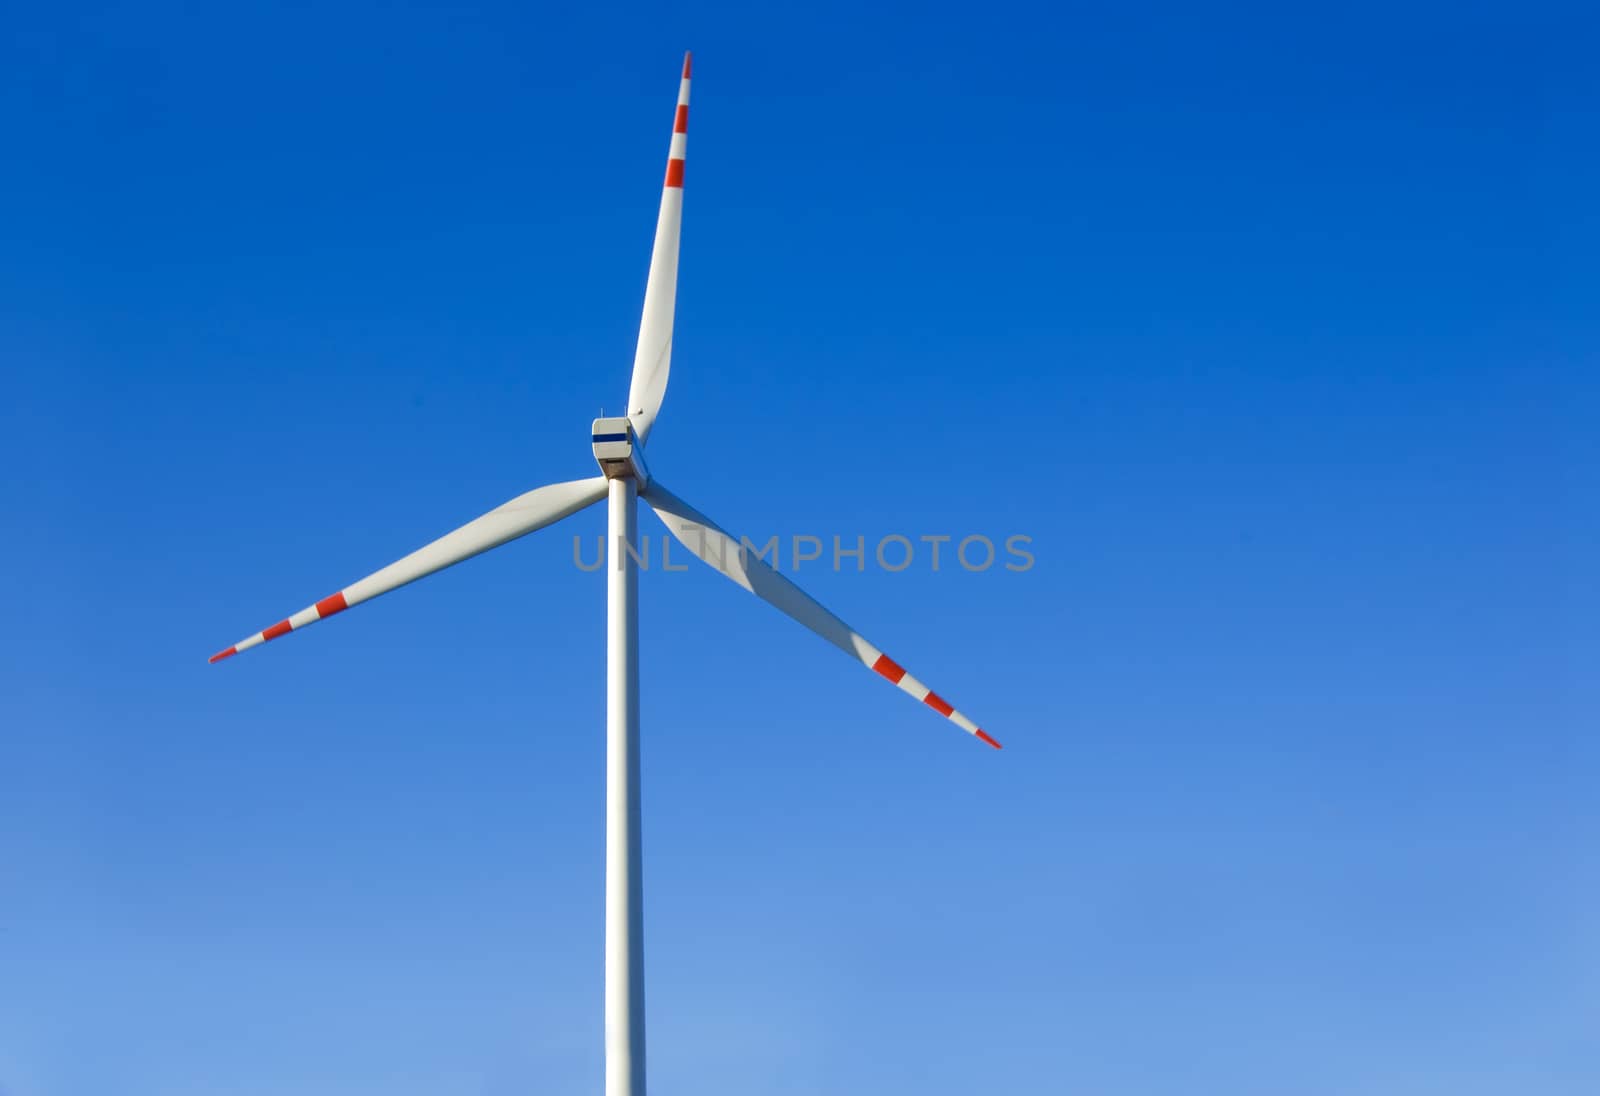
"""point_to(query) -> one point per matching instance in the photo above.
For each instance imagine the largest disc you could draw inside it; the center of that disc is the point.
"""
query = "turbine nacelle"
(618, 449)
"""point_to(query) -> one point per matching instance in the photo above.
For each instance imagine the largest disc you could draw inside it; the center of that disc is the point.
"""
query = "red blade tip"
(686, 58)
(220, 655)
(990, 741)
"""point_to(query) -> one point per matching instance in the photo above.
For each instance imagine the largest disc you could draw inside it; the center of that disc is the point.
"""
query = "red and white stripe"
(679, 149)
(896, 673)
(322, 610)
(652, 358)
(521, 515)
(718, 548)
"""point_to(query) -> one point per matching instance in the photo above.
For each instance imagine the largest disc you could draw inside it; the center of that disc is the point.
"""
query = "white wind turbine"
(619, 448)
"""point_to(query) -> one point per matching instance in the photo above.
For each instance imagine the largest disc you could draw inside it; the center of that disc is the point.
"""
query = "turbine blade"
(741, 563)
(522, 515)
(652, 359)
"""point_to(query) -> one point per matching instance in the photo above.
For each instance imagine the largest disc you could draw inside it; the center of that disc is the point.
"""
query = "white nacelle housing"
(617, 449)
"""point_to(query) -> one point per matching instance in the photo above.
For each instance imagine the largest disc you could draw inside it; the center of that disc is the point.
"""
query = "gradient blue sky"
(1273, 330)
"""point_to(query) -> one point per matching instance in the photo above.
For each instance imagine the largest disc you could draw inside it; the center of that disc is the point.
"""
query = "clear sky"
(1272, 330)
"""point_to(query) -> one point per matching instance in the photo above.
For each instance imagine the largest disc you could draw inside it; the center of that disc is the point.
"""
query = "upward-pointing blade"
(730, 556)
(522, 515)
(652, 359)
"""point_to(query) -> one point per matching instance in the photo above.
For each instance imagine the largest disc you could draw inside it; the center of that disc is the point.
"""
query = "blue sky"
(1272, 330)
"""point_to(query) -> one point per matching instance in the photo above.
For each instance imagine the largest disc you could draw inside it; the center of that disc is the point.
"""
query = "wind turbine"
(619, 448)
